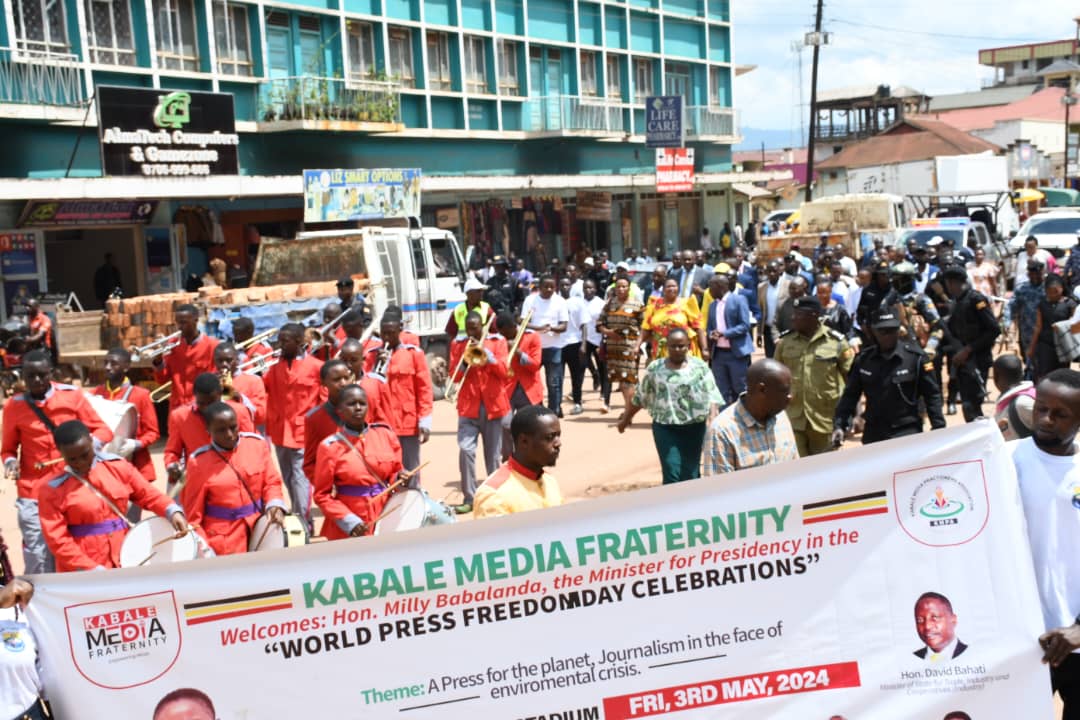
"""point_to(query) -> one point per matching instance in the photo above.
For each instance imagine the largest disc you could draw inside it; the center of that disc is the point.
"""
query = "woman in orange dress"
(670, 312)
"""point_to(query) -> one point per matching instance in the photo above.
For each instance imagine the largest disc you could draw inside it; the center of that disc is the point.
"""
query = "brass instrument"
(260, 363)
(474, 355)
(517, 340)
(161, 393)
(227, 389)
(159, 347)
(315, 338)
(256, 339)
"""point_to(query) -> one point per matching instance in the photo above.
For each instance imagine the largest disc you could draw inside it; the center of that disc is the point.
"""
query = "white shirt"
(849, 266)
(771, 293)
(718, 307)
(1050, 488)
(547, 312)
(594, 308)
(577, 289)
(853, 304)
(1021, 265)
(579, 315)
(19, 679)
(943, 656)
(922, 279)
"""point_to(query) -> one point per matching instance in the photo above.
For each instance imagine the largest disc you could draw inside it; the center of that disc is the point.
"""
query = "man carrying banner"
(1048, 470)
(521, 484)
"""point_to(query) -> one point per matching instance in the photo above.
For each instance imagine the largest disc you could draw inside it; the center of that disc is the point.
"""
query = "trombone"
(161, 393)
(517, 340)
(256, 339)
(161, 346)
(474, 355)
(260, 363)
(315, 338)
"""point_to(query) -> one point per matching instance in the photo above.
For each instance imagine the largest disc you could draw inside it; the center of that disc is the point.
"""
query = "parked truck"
(854, 221)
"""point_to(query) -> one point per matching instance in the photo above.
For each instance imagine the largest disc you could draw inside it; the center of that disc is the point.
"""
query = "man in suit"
(730, 344)
(692, 279)
(935, 624)
(772, 294)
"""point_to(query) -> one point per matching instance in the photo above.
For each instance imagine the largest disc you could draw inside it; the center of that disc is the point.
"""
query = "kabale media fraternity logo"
(173, 110)
(942, 505)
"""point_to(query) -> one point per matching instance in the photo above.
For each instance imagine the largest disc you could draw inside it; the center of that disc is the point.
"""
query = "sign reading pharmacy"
(674, 169)
(664, 122)
(165, 133)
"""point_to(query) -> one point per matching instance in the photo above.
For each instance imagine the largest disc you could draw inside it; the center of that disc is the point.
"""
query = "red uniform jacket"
(216, 501)
(256, 350)
(408, 383)
(321, 421)
(184, 364)
(527, 375)
(188, 433)
(350, 471)
(290, 392)
(80, 529)
(485, 383)
(23, 431)
(253, 390)
(147, 432)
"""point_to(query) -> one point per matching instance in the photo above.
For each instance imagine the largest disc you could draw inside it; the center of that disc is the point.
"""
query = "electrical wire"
(951, 36)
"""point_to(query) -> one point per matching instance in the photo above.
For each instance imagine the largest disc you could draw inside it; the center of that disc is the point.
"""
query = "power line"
(951, 36)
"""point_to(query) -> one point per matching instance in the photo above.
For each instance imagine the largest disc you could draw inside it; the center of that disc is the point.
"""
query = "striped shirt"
(737, 441)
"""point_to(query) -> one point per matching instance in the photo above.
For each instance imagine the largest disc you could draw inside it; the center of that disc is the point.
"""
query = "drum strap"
(127, 393)
(360, 455)
(40, 413)
(258, 505)
(101, 496)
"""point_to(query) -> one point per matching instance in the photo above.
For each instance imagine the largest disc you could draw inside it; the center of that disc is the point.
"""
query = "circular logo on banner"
(942, 505)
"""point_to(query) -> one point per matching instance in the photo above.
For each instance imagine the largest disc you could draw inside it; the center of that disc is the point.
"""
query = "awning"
(750, 191)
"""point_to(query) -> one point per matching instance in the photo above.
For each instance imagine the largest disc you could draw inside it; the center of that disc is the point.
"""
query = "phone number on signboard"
(175, 169)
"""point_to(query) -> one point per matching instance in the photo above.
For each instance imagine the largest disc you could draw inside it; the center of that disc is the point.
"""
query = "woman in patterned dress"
(668, 313)
(620, 324)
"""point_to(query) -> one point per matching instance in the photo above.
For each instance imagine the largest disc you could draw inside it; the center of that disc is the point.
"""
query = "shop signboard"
(343, 195)
(665, 124)
(594, 206)
(67, 213)
(166, 133)
(674, 170)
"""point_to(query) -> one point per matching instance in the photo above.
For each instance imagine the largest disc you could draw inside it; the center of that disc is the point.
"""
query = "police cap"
(884, 319)
(809, 303)
(955, 271)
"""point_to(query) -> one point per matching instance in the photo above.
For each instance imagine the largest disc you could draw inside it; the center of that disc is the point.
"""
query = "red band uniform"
(259, 349)
(409, 403)
(185, 363)
(291, 390)
(188, 433)
(321, 421)
(252, 388)
(351, 471)
(215, 498)
(524, 386)
(147, 432)
(481, 405)
(82, 531)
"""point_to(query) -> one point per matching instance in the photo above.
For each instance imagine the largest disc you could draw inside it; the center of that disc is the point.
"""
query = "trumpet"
(256, 339)
(159, 347)
(474, 355)
(315, 338)
(260, 363)
(161, 393)
(517, 340)
(227, 389)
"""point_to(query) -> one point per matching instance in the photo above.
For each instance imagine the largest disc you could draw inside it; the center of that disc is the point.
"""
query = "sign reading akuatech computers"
(777, 592)
(166, 133)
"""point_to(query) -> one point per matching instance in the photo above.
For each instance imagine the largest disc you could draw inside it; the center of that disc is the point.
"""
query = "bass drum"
(120, 417)
(412, 509)
(265, 535)
(154, 542)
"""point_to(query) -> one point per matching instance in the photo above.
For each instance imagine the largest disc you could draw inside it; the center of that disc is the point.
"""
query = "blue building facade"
(487, 88)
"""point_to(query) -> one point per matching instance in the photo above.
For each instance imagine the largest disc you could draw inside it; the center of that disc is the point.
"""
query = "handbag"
(1066, 343)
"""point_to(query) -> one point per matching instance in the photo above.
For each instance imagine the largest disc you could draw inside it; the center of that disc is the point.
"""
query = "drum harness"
(251, 496)
(360, 455)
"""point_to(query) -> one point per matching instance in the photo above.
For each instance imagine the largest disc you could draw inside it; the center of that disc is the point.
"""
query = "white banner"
(778, 592)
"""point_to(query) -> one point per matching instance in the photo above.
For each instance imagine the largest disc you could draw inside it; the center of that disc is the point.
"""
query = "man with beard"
(1048, 471)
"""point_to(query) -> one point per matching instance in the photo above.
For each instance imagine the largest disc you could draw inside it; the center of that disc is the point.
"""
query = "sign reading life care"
(769, 593)
(664, 121)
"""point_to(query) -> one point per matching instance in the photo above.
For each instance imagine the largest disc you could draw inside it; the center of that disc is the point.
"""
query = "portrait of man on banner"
(935, 623)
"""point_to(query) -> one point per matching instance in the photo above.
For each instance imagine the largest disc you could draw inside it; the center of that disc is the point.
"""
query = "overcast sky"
(936, 52)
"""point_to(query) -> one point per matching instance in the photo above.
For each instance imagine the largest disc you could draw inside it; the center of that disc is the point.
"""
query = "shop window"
(643, 80)
(361, 51)
(177, 48)
(508, 68)
(108, 24)
(589, 86)
(438, 50)
(233, 39)
(401, 56)
(475, 65)
(40, 26)
(614, 78)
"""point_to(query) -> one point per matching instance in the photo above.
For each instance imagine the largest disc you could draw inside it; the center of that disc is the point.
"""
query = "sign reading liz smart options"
(166, 133)
(664, 122)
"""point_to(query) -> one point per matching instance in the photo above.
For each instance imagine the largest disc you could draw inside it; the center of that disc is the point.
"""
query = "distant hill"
(773, 139)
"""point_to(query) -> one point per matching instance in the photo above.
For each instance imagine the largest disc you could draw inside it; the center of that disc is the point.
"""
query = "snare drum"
(412, 509)
(154, 542)
(266, 535)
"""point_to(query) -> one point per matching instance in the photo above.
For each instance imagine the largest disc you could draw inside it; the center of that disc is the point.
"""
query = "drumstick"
(408, 476)
(177, 536)
(47, 463)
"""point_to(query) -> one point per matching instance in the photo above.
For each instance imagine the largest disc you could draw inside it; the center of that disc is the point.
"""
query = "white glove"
(524, 358)
(11, 467)
(491, 357)
(127, 448)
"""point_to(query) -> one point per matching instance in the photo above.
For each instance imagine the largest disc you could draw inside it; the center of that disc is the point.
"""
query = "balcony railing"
(570, 112)
(316, 98)
(704, 121)
(29, 77)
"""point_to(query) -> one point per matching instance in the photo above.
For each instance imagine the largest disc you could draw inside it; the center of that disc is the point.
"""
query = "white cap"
(935, 241)
(589, 262)
(621, 265)
(474, 284)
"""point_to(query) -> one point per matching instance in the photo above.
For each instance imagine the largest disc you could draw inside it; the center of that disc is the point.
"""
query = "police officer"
(974, 329)
(502, 294)
(894, 376)
(819, 359)
(875, 295)
(919, 319)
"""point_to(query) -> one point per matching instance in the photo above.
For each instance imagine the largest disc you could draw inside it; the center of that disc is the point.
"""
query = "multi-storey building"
(508, 107)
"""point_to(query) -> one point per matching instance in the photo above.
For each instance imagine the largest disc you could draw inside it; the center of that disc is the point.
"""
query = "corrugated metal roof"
(857, 92)
(1043, 105)
(913, 138)
(982, 98)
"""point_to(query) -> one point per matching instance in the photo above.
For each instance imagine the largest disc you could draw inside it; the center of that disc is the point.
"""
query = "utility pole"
(817, 40)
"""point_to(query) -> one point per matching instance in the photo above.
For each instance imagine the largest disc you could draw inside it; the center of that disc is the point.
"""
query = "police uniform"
(893, 384)
(920, 321)
(873, 296)
(819, 365)
(972, 324)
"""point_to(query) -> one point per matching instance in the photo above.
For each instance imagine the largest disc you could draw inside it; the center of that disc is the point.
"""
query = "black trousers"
(572, 357)
(592, 355)
(971, 381)
(770, 344)
(1065, 679)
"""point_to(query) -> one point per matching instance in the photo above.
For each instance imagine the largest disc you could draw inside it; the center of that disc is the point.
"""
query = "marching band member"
(353, 469)
(243, 329)
(330, 342)
(523, 383)
(29, 451)
(521, 484)
(408, 384)
(249, 385)
(181, 365)
(292, 388)
(118, 388)
(82, 508)
(352, 352)
(481, 403)
(231, 481)
(187, 425)
(322, 421)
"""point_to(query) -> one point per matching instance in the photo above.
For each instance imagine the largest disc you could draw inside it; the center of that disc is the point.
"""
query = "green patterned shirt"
(678, 397)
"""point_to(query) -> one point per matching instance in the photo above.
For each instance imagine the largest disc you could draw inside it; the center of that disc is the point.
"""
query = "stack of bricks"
(141, 320)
